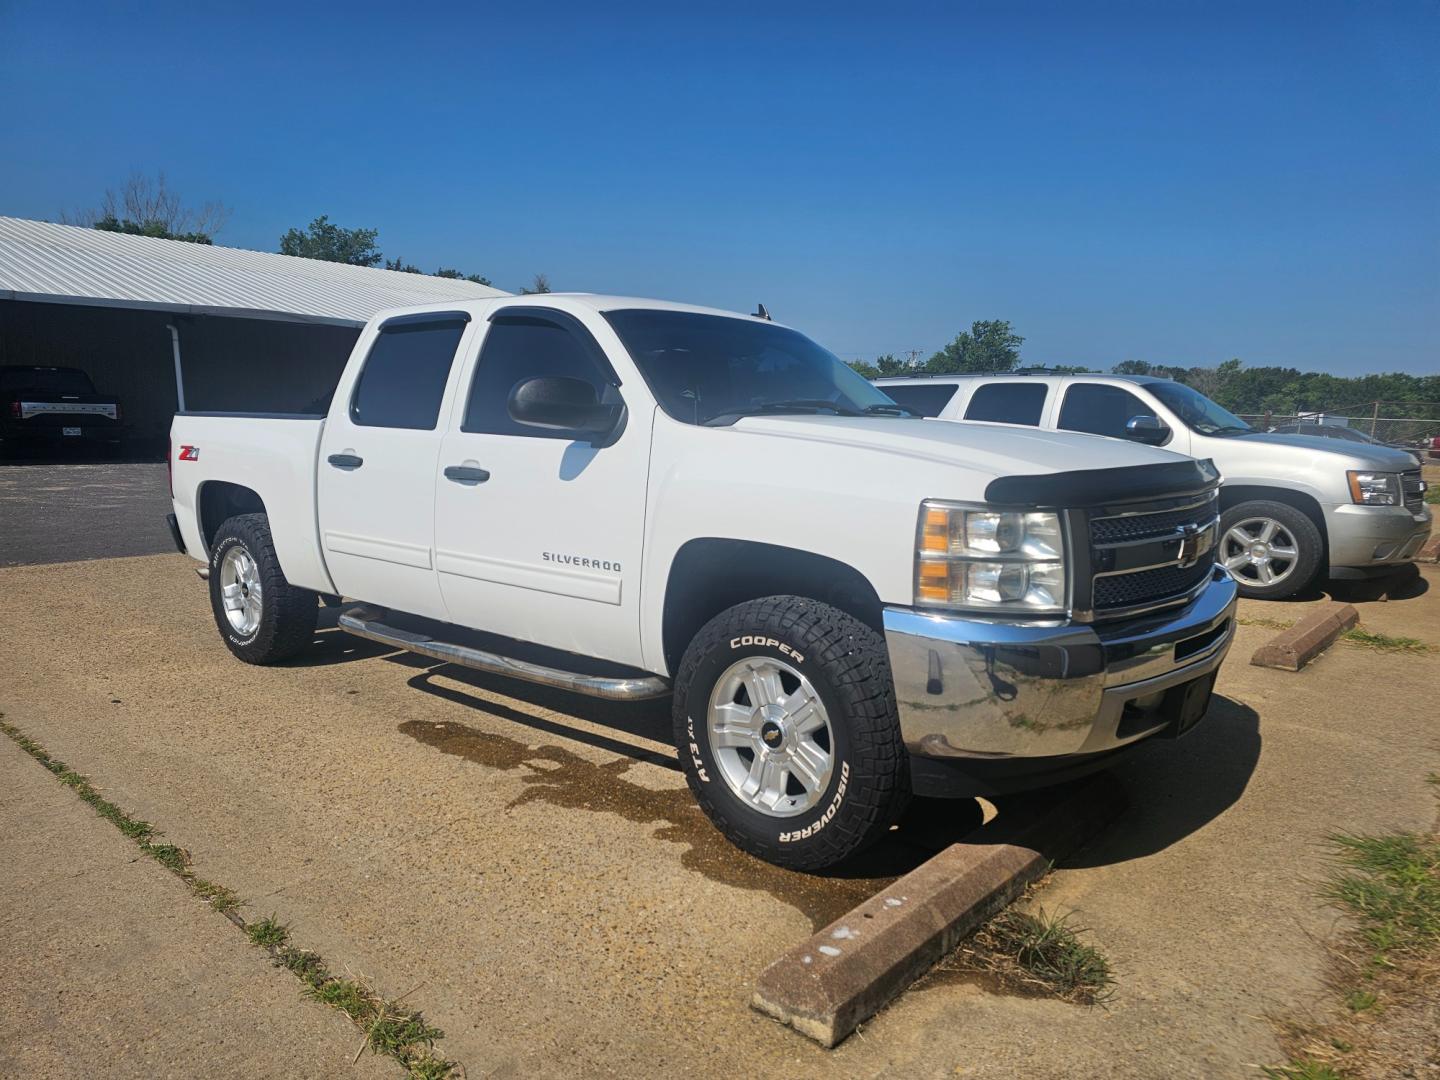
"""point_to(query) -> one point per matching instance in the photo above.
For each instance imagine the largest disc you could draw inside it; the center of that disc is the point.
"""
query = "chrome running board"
(364, 621)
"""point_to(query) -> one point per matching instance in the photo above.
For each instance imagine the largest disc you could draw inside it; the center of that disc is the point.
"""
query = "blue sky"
(1180, 183)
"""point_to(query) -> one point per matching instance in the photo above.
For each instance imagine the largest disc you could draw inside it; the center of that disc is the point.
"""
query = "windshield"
(46, 380)
(714, 369)
(1198, 411)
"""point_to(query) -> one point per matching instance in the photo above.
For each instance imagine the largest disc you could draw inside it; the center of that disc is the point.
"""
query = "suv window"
(927, 400)
(1008, 403)
(1100, 409)
(518, 348)
(404, 376)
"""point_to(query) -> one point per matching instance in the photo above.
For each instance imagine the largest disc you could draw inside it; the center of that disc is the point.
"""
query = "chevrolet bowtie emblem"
(1194, 542)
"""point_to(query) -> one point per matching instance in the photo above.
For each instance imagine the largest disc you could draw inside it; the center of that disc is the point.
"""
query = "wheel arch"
(1307, 504)
(219, 500)
(710, 574)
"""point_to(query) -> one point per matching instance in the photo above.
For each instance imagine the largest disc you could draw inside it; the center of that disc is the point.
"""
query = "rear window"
(1008, 403)
(404, 376)
(929, 399)
(46, 380)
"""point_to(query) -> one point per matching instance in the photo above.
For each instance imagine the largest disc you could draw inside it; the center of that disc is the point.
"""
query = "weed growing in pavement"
(1383, 642)
(1391, 884)
(1302, 1070)
(1265, 621)
(1036, 953)
(389, 1029)
(1046, 946)
(267, 933)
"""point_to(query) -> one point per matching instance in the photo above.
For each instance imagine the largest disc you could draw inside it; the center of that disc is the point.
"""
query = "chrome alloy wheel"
(240, 591)
(771, 737)
(1258, 551)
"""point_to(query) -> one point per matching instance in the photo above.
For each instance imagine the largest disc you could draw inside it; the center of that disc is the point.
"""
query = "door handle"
(346, 461)
(466, 474)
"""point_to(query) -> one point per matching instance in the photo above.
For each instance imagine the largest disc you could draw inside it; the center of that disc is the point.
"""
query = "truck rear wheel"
(1271, 549)
(262, 617)
(786, 724)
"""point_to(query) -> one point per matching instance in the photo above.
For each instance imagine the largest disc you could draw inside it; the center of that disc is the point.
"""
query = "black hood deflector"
(1104, 487)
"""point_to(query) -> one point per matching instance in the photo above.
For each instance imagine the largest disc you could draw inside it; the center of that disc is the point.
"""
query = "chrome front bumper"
(970, 687)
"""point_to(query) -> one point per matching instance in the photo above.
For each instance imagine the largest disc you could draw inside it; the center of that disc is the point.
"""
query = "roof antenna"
(761, 313)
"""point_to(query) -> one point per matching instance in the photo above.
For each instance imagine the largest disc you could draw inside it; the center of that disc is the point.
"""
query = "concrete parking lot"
(530, 866)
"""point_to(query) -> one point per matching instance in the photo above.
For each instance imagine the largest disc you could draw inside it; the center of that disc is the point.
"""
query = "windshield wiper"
(796, 405)
(1230, 429)
(889, 410)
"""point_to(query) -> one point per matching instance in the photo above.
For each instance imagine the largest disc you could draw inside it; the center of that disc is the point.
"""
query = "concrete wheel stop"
(828, 985)
(1292, 649)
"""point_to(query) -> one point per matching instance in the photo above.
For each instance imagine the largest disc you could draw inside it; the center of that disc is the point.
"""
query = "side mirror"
(1146, 429)
(560, 403)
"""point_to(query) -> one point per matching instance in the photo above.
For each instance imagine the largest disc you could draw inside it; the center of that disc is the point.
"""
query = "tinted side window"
(1100, 409)
(517, 349)
(1008, 403)
(928, 400)
(404, 376)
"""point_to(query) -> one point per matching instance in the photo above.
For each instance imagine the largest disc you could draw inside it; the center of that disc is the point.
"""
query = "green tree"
(989, 345)
(866, 369)
(1131, 367)
(476, 278)
(326, 241)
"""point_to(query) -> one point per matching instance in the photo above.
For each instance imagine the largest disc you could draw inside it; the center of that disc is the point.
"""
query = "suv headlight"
(1374, 488)
(989, 560)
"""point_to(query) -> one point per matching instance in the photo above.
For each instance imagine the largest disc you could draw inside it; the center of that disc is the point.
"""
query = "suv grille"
(1148, 560)
(1413, 489)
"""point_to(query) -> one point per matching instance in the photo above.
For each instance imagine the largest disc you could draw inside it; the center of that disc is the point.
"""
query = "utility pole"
(1374, 419)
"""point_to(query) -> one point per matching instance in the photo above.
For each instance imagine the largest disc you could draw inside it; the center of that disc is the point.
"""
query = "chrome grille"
(1146, 559)
(1413, 489)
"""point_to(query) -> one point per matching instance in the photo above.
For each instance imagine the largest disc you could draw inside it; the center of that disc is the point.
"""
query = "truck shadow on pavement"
(1177, 788)
(1174, 788)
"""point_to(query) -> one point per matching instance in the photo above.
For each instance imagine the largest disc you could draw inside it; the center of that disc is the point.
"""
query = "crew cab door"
(378, 464)
(1104, 409)
(538, 532)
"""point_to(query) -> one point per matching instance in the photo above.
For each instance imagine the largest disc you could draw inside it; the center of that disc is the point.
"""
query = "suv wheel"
(1271, 549)
(786, 725)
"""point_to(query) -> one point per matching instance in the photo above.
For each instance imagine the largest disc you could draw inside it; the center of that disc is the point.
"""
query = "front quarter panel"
(849, 504)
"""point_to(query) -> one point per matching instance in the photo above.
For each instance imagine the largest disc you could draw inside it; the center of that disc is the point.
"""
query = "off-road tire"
(847, 664)
(287, 612)
(1309, 545)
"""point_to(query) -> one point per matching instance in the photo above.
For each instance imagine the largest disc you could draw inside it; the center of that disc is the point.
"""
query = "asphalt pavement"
(69, 513)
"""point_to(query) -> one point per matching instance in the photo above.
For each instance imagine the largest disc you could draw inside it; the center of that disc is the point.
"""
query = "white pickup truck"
(849, 603)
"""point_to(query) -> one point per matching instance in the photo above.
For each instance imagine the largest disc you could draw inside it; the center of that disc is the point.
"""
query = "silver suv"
(1291, 505)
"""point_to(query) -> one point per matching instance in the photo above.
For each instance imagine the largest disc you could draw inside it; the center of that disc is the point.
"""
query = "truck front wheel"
(786, 725)
(262, 617)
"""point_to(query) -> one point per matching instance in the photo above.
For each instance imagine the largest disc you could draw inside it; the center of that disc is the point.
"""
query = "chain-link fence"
(1413, 425)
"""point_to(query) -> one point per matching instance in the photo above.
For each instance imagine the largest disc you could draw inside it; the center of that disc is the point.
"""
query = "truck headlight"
(986, 559)
(1374, 488)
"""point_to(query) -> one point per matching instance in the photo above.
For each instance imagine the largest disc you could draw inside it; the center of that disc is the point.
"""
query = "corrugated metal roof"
(70, 265)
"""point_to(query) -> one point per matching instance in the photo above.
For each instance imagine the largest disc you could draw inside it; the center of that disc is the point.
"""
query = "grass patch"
(1268, 623)
(1302, 1070)
(267, 933)
(1384, 642)
(389, 1029)
(1432, 495)
(1048, 949)
(1039, 954)
(1385, 970)
(1391, 884)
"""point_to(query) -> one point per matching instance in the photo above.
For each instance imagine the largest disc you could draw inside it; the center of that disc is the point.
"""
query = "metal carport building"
(164, 324)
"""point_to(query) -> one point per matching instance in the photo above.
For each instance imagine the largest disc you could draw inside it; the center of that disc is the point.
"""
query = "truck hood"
(990, 449)
(1358, 455)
